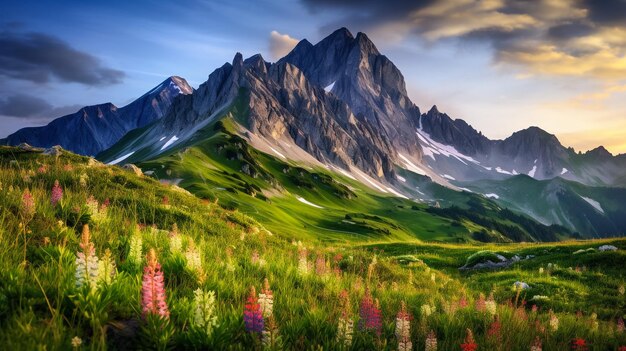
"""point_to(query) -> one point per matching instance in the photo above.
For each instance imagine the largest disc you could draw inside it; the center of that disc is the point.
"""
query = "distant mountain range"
(342, 106)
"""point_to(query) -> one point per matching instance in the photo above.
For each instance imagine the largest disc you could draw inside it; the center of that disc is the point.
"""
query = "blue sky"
(501, 66)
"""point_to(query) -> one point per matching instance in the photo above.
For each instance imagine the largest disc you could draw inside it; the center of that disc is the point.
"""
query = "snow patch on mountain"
(330, 87)
(305, 201)
(533, 171)
(432, 148)
(365, 177)
(169, 142)
(162, 138)
(492, 196)
(400, 178)
(121, 158)
(411, 166)
(447, 176)
(500, 170)
(564, 171)
(593, 203)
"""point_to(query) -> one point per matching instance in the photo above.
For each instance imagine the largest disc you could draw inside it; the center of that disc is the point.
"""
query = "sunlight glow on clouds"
(281, 44)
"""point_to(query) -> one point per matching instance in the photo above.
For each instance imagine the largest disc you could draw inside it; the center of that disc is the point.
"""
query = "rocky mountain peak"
(599, 152)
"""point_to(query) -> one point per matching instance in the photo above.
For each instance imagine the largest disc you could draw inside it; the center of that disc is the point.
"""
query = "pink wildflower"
(153, 288)
(481, 303)
(370, 315)
(28, 204)
(537, 345)
(620, 325)
(57, 193)
(579, 344)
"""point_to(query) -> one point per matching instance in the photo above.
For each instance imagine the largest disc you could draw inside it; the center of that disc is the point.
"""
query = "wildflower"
(463, 302)
(621, 289)
(86, 261)
(370, 315)
(256, 259)
(153, 288)
(193, 260)
(42, 169)
(27, 207)
(426, 310)
(303, 266)
(371, 267)
(82, 180)
(345, 325)
(229, 260)
(320, 265)
(176, 243)
(204, 316)
(76, 342)
(252, 315)
(433, 277)
(57, 193)
(480, 303)
(540, 270)
(554, 321)
(269, 336)
(622, 348)
(537, 345)
(493, 333)
(403, 329)
(594, 322)
(469, 344)
(135, 254)
(431, 342)
(579, 344)
(620, 325)
(491, 306)
(266, 300)
(106, 268)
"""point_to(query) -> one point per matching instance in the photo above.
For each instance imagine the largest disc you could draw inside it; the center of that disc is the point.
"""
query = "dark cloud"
(32, 107)
(39, 58)
(22, 105)
(570, 30)
(607, 11)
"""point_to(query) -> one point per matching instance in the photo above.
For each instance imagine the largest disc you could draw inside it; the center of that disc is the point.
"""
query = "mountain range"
(339, 109)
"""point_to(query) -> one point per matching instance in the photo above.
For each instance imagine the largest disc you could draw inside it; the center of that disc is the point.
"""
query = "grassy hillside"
(176, 271)
(292, 199)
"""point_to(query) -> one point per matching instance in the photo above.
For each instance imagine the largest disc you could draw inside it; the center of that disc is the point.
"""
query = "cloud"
(40, 58)
(281, 44)
(584, 38)
(32, 107)
(22, 105)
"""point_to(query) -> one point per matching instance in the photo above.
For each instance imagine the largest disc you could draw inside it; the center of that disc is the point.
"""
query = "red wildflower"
(252, 315)
(469, 344)
(494, 331)
(579, 344)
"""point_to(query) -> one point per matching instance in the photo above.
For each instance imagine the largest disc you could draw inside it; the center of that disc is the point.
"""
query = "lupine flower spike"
(106, 268)
(345, 326)
(266, 300)
(27, 207)
(431, 342)
(490, 305)
(370, 315)
(469, 344)
(153, 288)
(57, 193)
(252, 316)
(403, 329)
(537, 345)
(554, 321)
(620, 325)
(204, 317)
(87, 265)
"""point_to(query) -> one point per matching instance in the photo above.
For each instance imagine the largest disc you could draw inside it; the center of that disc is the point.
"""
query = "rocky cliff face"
(96, 128)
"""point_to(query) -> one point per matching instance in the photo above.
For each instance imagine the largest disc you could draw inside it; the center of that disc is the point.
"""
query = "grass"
(207, 245)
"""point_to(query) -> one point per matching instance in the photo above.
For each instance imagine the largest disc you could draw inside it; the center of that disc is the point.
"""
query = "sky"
(501, 65)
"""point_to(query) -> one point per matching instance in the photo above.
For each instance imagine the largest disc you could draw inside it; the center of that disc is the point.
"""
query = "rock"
(26, 147)
(521, 285)
(56, 150)
(607, 248)
(133, 168)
